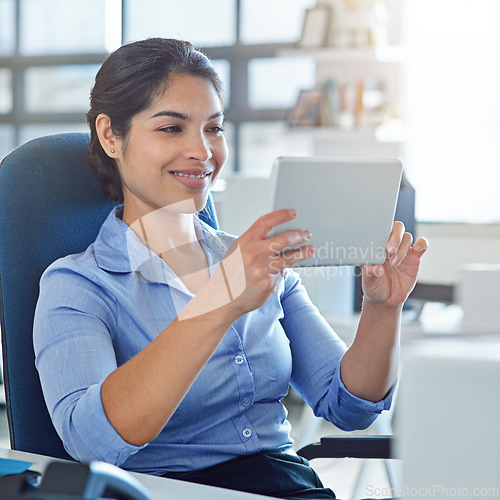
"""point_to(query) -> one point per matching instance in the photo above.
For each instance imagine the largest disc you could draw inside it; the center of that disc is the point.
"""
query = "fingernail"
(293, 212)
(307, 235)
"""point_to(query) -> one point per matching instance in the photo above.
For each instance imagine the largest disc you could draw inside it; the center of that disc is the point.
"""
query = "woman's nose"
(199, 148)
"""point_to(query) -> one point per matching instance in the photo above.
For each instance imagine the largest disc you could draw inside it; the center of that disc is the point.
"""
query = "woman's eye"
(217, 129)
(171, 128)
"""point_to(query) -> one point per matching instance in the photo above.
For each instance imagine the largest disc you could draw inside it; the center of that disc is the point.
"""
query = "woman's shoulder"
(79, 264)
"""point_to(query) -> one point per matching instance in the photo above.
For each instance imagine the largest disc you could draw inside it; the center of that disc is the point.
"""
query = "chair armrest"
(353, 447)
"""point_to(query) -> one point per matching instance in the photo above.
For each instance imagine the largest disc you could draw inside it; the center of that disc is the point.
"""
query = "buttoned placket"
(236, 356)
(246, 389)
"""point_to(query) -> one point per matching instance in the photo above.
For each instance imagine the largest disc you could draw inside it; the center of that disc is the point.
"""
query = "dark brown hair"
(126, 84)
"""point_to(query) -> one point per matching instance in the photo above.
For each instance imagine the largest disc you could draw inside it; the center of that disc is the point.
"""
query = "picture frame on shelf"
(309, 109)
(316, 27)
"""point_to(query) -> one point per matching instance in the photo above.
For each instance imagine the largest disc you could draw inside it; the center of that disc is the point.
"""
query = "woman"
(167, 347)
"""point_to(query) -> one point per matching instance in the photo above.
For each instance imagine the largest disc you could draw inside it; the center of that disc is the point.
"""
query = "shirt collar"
(118, 249)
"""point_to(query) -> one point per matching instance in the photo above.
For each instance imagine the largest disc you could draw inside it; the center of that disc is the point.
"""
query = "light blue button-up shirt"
(98, 309)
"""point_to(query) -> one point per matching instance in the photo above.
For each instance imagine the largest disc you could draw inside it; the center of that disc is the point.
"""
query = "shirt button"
(246, 401)
(239, 360)
(247, 432)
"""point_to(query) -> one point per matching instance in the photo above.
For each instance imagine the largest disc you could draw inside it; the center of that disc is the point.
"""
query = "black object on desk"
(74, 481)
(381, 446)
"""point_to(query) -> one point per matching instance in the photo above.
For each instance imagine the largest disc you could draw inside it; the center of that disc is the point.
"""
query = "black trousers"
(274, 474)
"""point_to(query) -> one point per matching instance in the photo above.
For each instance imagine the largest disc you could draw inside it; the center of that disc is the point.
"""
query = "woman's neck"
(164, 229)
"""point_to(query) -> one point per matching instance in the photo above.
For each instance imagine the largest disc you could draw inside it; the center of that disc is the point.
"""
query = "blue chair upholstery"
(51, 205)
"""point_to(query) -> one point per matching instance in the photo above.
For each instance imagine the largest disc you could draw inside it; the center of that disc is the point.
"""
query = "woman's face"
(175, 149)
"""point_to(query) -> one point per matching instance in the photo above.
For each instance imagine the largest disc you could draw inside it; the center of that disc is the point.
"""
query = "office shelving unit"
(349, 65)
(385, 54)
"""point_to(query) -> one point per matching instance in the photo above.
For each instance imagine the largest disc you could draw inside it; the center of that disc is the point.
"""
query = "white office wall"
(452, 106)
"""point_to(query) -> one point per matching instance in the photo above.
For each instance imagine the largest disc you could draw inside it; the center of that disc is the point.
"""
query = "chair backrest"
(51, 205)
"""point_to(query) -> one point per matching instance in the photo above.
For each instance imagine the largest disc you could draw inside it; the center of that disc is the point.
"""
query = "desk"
(438, 322)
(159, 487)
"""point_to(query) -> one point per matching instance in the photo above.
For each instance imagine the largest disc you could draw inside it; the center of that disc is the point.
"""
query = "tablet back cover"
(347, 205)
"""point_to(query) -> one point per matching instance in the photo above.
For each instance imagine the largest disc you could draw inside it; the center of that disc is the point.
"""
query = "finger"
(421, 245)
(261, 227)
(403, 249)
(287, 240)
(418, 249)
(288, 259)
(398, 230)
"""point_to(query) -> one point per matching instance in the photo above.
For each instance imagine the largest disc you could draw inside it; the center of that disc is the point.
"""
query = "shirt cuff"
(357, 413)
(91, 435)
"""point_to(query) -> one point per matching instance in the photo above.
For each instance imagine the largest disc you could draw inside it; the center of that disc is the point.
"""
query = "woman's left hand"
(390, 283)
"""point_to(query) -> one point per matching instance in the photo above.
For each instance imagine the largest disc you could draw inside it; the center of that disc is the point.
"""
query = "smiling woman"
(177, 141)
(167, 346)
(121, 92)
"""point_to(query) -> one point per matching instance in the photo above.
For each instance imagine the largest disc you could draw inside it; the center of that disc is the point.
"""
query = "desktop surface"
(159, 487)
(437, 322)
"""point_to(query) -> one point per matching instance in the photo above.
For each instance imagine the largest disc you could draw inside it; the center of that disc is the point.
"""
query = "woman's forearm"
(140, 396)
(370, 366)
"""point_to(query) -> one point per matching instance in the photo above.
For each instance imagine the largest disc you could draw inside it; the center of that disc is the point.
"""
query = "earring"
(112, 150)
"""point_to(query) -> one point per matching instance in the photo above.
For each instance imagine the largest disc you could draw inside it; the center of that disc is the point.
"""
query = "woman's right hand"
(251, 269)
(255, 263)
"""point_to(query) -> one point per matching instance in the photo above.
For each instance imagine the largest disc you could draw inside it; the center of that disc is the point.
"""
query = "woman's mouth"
(192, 176)
(193, 179)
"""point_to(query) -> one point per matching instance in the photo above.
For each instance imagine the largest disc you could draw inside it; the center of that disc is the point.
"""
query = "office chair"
(51, 205)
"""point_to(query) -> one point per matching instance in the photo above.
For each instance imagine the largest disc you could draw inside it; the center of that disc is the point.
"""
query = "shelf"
(382, 133)
(387, 54)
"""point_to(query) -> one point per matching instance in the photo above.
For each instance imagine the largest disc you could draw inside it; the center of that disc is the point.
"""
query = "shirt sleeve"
(317, 353)
(74, 354)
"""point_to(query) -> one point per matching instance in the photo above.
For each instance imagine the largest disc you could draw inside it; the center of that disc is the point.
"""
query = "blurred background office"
(416, 79)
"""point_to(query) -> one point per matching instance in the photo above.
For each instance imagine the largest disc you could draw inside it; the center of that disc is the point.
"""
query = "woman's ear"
(109, 142)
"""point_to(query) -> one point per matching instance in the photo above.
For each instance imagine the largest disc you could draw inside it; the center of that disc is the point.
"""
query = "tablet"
(347, 205)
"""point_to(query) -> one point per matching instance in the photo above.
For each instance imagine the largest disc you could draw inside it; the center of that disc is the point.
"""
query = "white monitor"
(448, 415)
